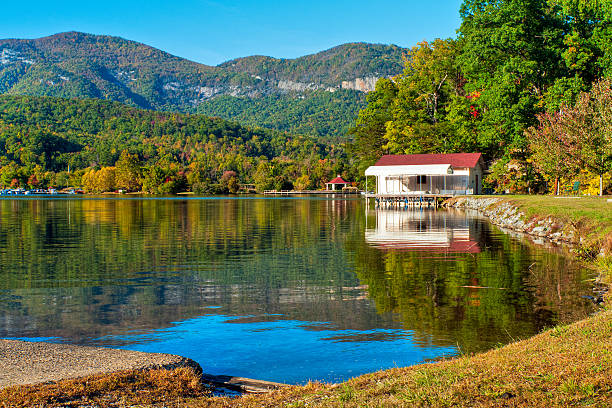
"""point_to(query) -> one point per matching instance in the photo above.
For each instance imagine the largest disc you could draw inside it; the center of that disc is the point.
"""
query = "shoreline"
(583, 242)
(32, 363)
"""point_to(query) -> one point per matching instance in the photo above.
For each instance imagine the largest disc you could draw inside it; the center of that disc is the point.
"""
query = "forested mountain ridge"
(88, 66)
(46, 141)
(79, 65)
(346, 66)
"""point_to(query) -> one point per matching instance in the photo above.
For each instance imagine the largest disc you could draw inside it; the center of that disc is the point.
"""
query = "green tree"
(154, 177)
(8, 173)
(511, 53)
(368, 135)
(128, 172)
(303, 183)
(263, 177)
(431, 78)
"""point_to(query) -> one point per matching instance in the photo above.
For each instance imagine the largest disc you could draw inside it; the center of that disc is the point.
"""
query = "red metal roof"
(454, 159)
(337, 180)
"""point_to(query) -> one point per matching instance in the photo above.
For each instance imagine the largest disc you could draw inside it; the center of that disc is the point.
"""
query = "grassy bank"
(591, 216)
(124, 388)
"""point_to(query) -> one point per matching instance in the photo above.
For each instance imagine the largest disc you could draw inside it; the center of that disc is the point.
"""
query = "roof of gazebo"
(337, 180)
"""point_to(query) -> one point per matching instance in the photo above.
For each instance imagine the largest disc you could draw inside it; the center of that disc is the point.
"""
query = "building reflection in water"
(419, 230)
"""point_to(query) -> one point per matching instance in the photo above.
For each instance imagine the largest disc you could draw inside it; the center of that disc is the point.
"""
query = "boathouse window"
(422, 179)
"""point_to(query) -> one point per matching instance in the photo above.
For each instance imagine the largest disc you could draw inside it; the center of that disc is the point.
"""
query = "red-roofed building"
(415, 174)
(336, 184)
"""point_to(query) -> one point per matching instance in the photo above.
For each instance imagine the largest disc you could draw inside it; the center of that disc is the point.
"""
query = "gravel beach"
(25, 362)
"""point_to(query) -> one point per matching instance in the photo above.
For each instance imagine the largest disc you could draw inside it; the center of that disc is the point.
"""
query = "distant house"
(336, 184)
(412, 174)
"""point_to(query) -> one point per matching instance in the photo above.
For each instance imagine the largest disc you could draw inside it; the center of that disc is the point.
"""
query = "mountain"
(78, 65)
(89, 66)
(349, 66)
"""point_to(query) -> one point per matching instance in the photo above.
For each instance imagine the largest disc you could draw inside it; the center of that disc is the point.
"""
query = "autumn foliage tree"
(553, 147)
(594, 129)
(128, 172)
(575, 137)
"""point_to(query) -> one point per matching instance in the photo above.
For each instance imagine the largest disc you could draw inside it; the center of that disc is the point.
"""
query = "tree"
(511, 53)
(368, 135)
(578, 136)
(99, 181)
(592, 126)
(105, 179)
(263, 177)
(429, 81)
(587, 48)
(302, 183)
(128, 172)
(33, 181)
(229, 181)
(154, 177)
(553, 148)
(8, 174)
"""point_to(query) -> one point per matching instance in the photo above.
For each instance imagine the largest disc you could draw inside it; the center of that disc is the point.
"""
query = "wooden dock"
(408, 200)
(311, 192)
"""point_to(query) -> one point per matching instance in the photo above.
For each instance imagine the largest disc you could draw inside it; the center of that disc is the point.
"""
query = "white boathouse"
(427, 174)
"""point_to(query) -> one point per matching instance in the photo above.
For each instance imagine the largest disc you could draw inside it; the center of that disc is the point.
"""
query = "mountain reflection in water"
(279, 289)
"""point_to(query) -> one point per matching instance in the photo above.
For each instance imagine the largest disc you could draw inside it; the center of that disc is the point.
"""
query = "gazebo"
(336, 184)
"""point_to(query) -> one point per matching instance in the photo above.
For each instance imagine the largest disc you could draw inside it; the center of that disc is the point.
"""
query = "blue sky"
(213, 31)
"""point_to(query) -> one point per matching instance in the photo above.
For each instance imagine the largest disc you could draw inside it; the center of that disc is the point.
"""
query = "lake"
(285, 289)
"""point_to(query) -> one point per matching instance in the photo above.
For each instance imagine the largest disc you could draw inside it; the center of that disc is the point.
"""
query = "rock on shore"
(25, 362)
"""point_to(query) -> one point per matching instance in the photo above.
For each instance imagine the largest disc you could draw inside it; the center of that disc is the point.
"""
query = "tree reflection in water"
(453, 278)
(351, 281)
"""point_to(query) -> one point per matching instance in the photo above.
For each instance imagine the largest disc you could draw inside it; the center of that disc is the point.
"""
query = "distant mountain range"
(78, 65)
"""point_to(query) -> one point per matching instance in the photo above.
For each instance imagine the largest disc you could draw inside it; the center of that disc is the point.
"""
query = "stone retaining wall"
(505, 215)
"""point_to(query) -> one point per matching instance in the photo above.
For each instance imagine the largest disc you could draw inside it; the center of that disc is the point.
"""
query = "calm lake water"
(285, 290)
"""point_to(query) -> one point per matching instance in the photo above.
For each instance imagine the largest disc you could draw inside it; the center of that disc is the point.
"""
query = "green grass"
(590, 217)
(593, 215)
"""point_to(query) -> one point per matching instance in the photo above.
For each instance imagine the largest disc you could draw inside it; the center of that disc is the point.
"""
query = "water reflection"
(454, 279)
(416, 229)
(308, 289)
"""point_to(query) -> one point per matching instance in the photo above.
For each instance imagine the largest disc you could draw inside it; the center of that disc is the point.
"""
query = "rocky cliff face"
(361, 84)
(364, 85)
